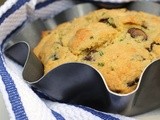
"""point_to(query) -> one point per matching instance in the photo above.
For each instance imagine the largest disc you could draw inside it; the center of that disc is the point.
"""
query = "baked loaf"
(118, 42)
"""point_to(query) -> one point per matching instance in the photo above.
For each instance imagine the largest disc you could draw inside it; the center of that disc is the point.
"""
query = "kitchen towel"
(21, 101)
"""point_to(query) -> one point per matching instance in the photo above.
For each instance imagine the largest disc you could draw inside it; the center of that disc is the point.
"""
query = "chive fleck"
(101, 53)
(121, 40)
(101, 64)
(103, 13)
(54, 57)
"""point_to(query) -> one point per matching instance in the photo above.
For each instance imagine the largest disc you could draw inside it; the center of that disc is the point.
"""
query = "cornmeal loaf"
(117, 42)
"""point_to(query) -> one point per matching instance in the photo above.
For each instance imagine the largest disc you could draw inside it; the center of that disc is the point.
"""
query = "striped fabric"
(21, 101)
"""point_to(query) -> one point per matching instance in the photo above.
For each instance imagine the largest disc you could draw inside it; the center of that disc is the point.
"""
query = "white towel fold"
(21, 102)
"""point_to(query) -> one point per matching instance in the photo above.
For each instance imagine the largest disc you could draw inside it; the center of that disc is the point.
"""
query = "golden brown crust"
(92, 36)
(119, 43)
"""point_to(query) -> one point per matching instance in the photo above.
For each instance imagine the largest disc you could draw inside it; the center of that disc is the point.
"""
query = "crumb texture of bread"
(117, 42)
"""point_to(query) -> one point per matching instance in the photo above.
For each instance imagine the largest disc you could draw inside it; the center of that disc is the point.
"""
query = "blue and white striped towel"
(21, 102)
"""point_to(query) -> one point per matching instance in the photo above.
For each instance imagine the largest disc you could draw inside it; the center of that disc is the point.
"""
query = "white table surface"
(153, 115)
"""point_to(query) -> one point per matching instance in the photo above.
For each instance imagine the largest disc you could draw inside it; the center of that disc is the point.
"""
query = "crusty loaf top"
(117, 42)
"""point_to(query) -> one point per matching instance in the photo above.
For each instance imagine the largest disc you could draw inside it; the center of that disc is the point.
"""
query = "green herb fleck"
(54, 57)
(101, 53)
(60, 38)
(111, 22)
(101, 64)
(103, 13)
(88, 18)
(121, 40)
